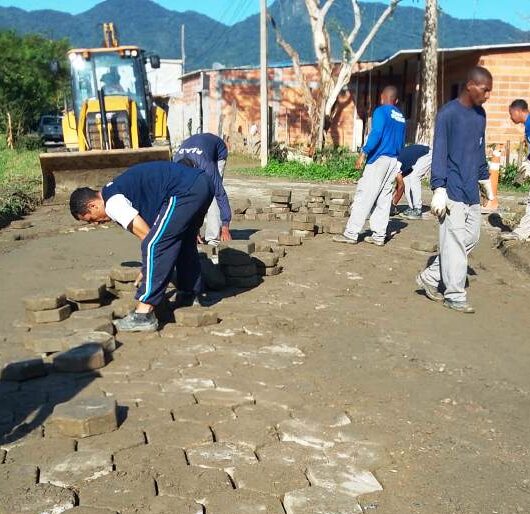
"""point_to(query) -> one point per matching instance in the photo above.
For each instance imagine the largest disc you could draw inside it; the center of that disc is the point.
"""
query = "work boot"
(137, 322)
(430, 291)
(463, 307)
(345, 239)
(412, 214)
(372, 241)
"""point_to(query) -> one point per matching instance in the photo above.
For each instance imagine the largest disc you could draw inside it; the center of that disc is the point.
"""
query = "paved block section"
(362, 454)
(273, 479)
(188, 385)
(316, 500)
(196, 317)
(41, 499)
(49, 316)
(193, 482)
(221, 455)
(201, 413)
(23, 370)
(84, 417)
(327, 416)
(223, 397)
(166, 505)
(92, 337)
(44, 302)
(290, 454)
(114, 442)
(341, 479)
(39, 452)
(152, 458)
(287, 239)
(75, 468)
(247, 431)
(86, 357)
(265, 259)
(85, 293)
(181, 435)
(242, 502)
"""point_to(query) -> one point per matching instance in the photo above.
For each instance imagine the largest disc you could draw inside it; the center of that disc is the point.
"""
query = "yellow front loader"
(112, 123)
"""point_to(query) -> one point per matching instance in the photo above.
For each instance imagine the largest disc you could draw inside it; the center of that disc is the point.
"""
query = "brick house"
(226, 101)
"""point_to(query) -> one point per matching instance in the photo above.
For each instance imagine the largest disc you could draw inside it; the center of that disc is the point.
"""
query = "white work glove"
(485, 186)
(439, 202)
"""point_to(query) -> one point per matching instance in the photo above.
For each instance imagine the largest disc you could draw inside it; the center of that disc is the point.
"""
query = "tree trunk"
(10, 141)
(428, 103)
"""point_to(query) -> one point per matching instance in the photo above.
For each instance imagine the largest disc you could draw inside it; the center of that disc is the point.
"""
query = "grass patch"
(20, 182)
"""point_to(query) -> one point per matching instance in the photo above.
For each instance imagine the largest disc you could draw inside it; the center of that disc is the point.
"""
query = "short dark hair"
(79, 200)
(479, 74)
(391, 91)
(519, 104)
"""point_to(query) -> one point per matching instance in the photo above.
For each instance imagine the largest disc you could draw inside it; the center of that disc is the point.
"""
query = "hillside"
(157, 29)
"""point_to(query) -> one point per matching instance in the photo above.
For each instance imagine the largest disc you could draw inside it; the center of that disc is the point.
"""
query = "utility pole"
(264, 150)
(182, 48)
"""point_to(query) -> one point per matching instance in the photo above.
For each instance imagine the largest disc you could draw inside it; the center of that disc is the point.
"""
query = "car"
(50, 129)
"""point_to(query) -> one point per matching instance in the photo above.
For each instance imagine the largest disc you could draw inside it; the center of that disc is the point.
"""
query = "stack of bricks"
(338, 204)
(303, 225)
(281, 203)
(86, 297)
(316, 201)
(237, 264)
(267, 263)
(123, 278)
(47, 308)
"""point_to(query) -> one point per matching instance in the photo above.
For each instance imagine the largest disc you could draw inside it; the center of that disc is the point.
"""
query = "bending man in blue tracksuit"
(374, 191)
(163, 204)
(209, 152)
(459, 167)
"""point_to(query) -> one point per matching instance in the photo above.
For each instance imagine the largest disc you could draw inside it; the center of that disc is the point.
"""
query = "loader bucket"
(62, 172)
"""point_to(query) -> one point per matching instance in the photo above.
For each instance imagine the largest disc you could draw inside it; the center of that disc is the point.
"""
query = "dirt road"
(437, 403)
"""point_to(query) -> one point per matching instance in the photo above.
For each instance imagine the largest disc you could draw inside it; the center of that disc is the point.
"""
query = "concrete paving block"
(102, 313)
(424, 246)
(126, 271)
(279, 251)
(319, 210)
(86, 357)
(270, 272)
(44, 302)
(101, 338)
(13, 476)
(266, 216)
(282, 213)
(242, 502)
(188, 385)
(23, 370)
(39, 452)
(318, 191)
(301, 433)
(240, 206)
(247, 270)
(269, 478)
(85, 293)
(91, 510)
(281, 192)
(263, 246)
(96, 324)
(317, 500)
(196, 317)
(86, 306)
(287, 239)
(252, 433)
(336, 227)
(151, 458)
(340, 201)
(338, 214)
(180, 435)
(250, 216)
(281, 200)
(166, 505)
(113, 442)
(304, 218)
(193, 482)
(223, 397)
(242, 246)
(303, 234)
(362, 454)
(101, 275)
(123, 306)
(203, 414)
(124, 286)
(84, 417)
(265, 259)
(339, 195)
(74, 468)
(341, 479)
(303, 225)
(49, 316)
(47, 339)
(220, 455)
(120, 491)
(290, 454)
(322, 415)
(41, 499)
(278, 398)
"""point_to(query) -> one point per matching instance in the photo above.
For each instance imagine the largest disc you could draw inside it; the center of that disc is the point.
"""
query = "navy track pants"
(172, 243)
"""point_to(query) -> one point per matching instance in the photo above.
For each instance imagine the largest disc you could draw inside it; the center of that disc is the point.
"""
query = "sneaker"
(345, 239)
(464, 307)
(412, 214)
(213, 242)
(509, 236)
(431, 292)
(137, 322)
(372, 241)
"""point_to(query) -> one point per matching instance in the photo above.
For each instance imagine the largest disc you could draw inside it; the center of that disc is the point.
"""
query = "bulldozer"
(112, 121)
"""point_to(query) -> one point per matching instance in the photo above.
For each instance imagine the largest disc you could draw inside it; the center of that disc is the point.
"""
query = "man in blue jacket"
(163, 204)
(374, 191)
(209, 153)
(459, 167)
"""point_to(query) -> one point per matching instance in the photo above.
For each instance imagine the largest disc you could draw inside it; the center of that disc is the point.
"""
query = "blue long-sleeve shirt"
(527, 132)
(459, 152)
(205, 150)
(387, 136)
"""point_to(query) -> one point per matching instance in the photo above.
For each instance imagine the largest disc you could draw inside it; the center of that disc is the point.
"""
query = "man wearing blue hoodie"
(374, 191)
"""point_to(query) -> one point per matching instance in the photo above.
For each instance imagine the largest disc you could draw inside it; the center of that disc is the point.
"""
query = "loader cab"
(120, 73)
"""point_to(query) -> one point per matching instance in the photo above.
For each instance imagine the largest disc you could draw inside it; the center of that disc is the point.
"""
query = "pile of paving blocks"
(333, 203)
(47, 309)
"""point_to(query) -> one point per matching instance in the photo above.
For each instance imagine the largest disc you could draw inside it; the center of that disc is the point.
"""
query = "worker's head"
(519, 110)
(87, 205)
(389, 95)
(479, 84)
(111, 77)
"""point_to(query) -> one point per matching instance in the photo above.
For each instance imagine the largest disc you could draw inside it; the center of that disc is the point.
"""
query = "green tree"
(28, 86)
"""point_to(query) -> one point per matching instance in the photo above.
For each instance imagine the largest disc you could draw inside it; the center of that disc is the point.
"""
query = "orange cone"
(495, 167)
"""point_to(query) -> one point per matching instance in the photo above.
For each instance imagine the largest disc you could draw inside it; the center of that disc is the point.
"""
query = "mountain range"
(154, 28)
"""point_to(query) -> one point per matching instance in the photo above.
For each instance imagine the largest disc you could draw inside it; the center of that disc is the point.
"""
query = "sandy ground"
(442, 397)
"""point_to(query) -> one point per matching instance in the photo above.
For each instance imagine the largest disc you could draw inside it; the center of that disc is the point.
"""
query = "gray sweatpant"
(459, 234)
(213, 216)
(413, 181)
(373, 195)
(523, 229)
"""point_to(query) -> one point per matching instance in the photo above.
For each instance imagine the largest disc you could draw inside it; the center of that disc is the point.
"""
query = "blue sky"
(516, 12)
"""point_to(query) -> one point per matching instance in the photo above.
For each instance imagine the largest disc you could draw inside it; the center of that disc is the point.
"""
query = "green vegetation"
(20, 182)
(508, 179)
(28, 86)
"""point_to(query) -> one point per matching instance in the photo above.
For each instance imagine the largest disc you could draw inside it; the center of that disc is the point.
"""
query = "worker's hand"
(487, 190)
(439, 202)
(200, 240)
(361, 161)
(139, 279)
(225, 233)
